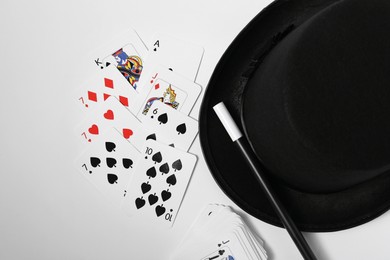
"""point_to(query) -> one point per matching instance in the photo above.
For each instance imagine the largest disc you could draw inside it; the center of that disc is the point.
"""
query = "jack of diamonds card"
(167, 87)
(109, 164)
(160, 182)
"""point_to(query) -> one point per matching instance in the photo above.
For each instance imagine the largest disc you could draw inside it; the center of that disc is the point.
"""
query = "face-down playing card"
(159, 184)
(109, 164)
(101, 86)
(179, 129)
(127, 53)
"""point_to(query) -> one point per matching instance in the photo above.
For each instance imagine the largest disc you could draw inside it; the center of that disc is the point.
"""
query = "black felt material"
(315, 110)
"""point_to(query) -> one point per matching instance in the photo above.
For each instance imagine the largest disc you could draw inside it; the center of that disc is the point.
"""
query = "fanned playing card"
(179, 129)
(111, 113)
(109, 164)
(169, 88)
(179, 56)
(219, 233)
(101, 86)
(159, 184)
(127, 53)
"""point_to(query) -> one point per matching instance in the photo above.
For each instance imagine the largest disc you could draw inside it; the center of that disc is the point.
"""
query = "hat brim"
(311, 211)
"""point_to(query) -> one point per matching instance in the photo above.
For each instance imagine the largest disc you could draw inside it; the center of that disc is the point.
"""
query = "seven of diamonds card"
(161, 179)
(102, 85)
(109, 164)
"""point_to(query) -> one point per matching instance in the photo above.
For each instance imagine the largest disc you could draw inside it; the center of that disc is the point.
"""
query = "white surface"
(227, 121)
(48, 210)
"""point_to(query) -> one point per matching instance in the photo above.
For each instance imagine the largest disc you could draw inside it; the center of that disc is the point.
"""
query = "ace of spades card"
(179, 56)
(109, 164)
(158, 187)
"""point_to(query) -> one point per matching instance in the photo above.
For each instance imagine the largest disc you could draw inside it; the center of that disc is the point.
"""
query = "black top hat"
(310, 83)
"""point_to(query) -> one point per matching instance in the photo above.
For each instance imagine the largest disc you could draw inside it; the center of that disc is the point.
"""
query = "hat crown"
(317, 110)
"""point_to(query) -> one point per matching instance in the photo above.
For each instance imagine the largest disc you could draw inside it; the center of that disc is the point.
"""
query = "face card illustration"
(178, 129)
(161, 180)
(128, 62)
(109, 164)
(112, 114)
(126, 52)
(181, 57)
(101, 86)
(169, 88)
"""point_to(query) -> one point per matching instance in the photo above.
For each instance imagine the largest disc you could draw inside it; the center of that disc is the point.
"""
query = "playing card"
(160, 182)
(127, 53)
(109, 164)
(218, 233)
(223, 253)
(179, 129)
(169, 88)
(111, 113)
(179, 56)
(102, 85)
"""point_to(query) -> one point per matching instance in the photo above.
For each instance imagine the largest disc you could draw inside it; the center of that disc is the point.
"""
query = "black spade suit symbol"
(177, 165)
(171, 180)
(111, 162)
(181, 129)
(160, 210)
(163, 118)
(151, 173)
(95, 162)
(127, 163)
(139, 202)
(151, 136)
(112, 178)
(152, 198)
(157, 158)
(110, 146)
(165, 195)
(145, 187)
(164, 168)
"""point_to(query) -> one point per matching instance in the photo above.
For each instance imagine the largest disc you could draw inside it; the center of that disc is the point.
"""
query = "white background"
(47, 209)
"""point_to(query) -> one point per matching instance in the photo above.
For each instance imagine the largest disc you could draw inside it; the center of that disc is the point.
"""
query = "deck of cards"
(218, 233)
(135, 127)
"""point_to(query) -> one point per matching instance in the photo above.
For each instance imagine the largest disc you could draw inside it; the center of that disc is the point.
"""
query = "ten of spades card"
(158, 187)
